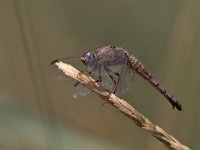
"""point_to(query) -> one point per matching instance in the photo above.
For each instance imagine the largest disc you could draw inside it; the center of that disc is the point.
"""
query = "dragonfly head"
(88, 59)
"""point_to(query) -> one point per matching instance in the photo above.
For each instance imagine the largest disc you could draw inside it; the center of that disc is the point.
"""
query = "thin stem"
(124, 107)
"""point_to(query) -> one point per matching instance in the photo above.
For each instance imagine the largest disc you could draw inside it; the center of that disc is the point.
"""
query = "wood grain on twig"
(124, 107)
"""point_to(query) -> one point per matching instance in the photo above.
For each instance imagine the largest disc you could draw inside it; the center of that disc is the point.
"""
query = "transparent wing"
(58, 74)
(74, 61)
(124, 81)
(79, 89)
(107, 82)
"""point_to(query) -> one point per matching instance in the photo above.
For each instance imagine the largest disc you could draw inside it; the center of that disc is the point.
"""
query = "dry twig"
(124, 107)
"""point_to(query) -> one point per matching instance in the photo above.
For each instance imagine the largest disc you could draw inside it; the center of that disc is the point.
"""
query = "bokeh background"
(38, 112)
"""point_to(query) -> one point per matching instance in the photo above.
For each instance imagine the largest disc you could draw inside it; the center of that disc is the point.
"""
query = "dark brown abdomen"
(137, 66)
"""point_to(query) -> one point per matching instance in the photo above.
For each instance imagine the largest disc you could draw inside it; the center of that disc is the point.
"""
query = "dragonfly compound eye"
(88, 58)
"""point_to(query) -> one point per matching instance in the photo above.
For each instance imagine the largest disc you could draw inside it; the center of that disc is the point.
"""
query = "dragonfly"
(113, 68)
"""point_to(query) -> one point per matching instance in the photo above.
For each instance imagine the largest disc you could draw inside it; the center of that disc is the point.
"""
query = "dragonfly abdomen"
(140, 69)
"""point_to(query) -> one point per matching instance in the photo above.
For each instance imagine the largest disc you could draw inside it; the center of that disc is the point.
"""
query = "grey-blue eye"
(89, 57)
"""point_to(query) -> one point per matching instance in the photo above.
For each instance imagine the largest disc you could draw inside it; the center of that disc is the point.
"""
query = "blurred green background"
(38, 112)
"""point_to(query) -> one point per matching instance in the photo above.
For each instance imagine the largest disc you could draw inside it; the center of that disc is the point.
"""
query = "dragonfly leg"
(112, 78)
(77, 83)
(99, 79)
